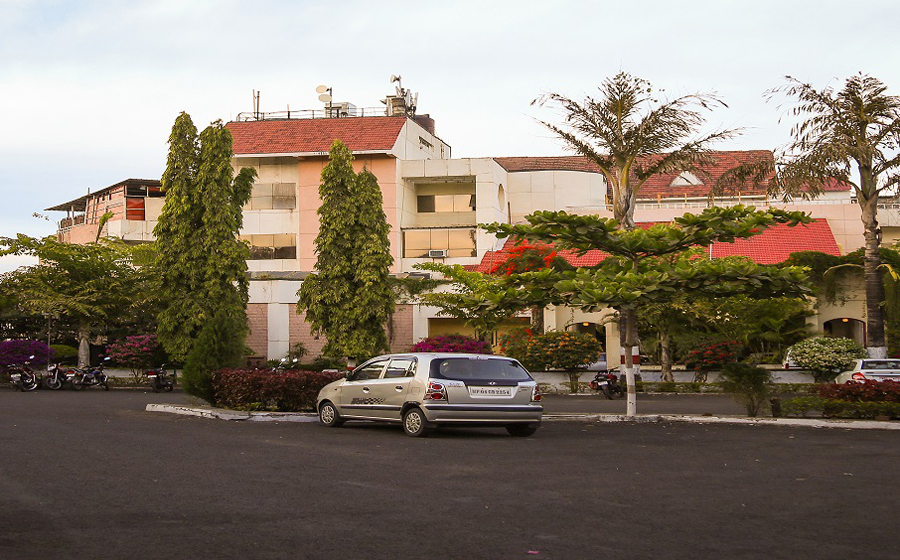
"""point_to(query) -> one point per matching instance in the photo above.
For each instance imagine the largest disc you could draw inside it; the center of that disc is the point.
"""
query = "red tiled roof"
(660, 186)
(360, 134)
(772, 246)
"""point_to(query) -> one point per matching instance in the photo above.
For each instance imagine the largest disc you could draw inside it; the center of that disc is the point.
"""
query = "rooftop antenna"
(409, 100)
(325, 96)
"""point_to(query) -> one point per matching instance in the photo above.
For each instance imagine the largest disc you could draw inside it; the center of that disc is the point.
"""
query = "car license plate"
(490, 391)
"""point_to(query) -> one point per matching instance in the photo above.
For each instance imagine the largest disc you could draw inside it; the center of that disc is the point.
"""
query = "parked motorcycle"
(57, 377)
(607, 383)
(89, 377)
(23, 377)
(160, 380)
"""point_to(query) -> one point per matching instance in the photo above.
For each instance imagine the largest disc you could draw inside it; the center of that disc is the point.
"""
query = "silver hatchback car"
(425, 390)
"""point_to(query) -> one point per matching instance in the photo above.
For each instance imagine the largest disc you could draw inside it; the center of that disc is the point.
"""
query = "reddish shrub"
(287, 391)
(868, 391)
(456, 343)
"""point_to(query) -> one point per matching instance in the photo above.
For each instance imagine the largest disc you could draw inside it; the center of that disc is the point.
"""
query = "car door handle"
(365, 389)
(398, 387)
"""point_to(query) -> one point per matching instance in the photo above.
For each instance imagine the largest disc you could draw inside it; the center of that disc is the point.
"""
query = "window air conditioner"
(437, 253)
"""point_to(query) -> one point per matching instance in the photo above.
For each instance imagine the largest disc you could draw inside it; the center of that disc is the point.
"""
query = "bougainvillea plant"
(456, 343)
(20, 351)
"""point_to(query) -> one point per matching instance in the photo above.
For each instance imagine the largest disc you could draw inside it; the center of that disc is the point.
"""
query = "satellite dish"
(321, 89)
(325, 97)
(395, 78)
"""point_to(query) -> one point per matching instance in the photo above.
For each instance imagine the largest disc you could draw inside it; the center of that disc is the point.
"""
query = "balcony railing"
(337, 111)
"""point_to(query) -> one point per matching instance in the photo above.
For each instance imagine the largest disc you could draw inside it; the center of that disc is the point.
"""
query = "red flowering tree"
(712, 356)
(138, 353)
(531, 257)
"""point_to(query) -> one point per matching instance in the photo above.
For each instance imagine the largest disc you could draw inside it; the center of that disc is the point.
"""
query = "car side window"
(401, 367)
(369, 371)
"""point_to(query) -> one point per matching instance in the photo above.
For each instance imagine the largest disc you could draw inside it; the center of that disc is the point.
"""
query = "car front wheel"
(329, 416)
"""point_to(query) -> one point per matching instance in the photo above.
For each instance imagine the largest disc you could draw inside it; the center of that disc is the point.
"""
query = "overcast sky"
(90, 89)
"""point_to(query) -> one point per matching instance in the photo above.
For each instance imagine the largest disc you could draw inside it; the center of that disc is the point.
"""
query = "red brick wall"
(300, 332)
(403, 329)
(258, 321)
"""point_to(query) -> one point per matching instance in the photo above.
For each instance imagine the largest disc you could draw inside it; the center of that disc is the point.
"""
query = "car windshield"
(478, 368)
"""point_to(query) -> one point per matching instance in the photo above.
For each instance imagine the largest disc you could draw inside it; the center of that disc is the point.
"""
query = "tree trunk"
(665, 358)
(875, 342)
(537, 320)
(629, 341)
(623, 206)
(84, 347)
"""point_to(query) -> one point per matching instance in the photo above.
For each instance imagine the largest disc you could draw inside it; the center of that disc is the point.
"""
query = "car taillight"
(436, 392)
(859, 376)
(536, 394)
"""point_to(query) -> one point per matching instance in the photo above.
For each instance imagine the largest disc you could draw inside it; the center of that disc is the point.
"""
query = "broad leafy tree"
(201, 265)
(655, 265)
(849, 135)
(349, 297)
(94, 289)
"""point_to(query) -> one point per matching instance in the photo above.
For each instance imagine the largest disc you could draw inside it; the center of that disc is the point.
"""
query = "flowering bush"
(138, 353)
(287, 391)
(456, 343)
(20, 351)
(553, 350)
(825, 357)
(713, 355)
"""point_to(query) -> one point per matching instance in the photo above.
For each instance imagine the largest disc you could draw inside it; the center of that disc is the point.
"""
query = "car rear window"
(881, 364)
(465, 369)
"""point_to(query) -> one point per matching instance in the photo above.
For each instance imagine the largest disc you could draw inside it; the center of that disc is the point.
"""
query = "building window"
(271, 246)
(134, 208)
(458, 242)
(273, 196)
(445, 203)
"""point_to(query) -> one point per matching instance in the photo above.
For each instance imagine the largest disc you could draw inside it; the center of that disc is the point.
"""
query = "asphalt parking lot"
(91, 474)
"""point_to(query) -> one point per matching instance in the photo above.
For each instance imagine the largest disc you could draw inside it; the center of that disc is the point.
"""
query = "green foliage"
(481, 300)
(287, 391)
(751, 386)
(87, 289)
(64, 354)
(220, 345)
(200, 264)
(825, 357)
(350, 296)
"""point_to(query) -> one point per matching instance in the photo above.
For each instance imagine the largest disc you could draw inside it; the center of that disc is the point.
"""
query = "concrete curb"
(223, 414)
(792, 422)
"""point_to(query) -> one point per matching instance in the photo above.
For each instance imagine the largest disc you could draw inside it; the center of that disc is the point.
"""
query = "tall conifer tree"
(349, 298)
(201, 264)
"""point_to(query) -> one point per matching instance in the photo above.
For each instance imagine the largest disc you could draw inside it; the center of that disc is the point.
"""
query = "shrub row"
(287, 391)
(869, 391)
(836, 408)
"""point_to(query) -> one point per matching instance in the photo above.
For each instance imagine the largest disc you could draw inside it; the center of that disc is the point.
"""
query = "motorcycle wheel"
(170, 384)
(105, 385)
(77, 385)
(53, 383)
(157, 387)
(31, 384)
(606, 392)
(619, 393)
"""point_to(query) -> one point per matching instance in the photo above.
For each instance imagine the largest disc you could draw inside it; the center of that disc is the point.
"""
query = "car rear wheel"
(521, 430)
(329, 416)
(415, 424)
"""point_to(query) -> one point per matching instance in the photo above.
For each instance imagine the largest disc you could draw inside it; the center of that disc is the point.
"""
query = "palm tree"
(850, 136)
(631, 136)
